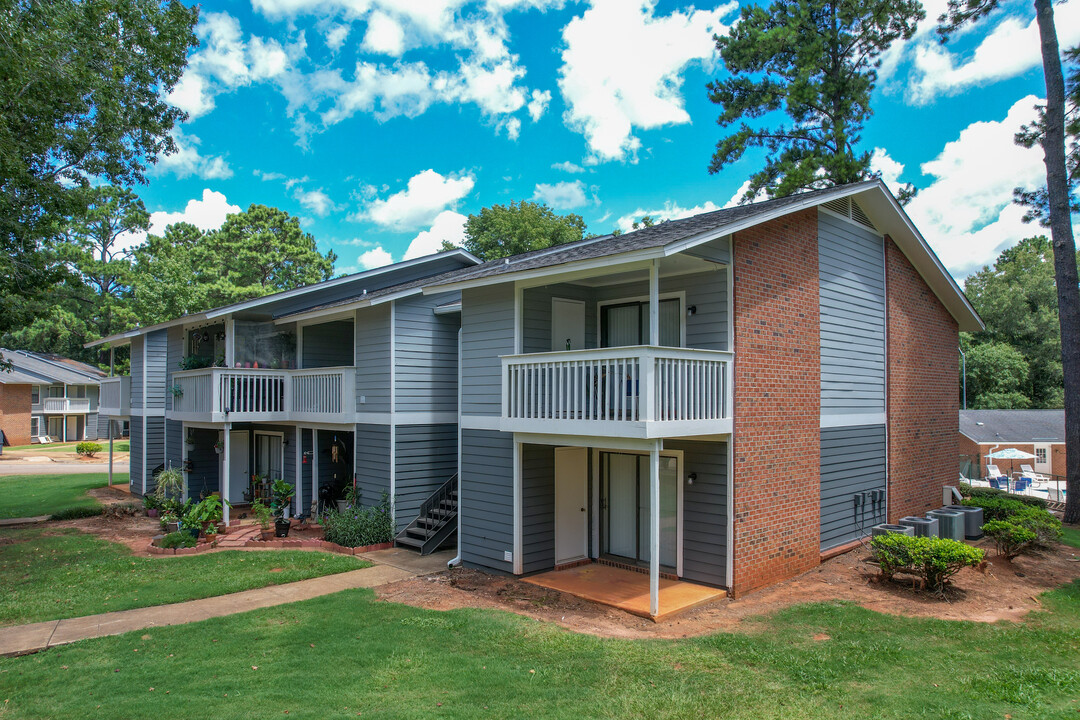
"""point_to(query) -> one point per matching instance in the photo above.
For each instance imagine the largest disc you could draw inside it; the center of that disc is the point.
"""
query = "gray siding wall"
(174, 353)
(137, 372)
(487, 324)
(487, 498)
(852, 461)
(538, 507)
(851, 264)
(205, 475)
(705, 506)
(174, 443)
(135, 434)
(536, 315)
(425, 355)
(718, 250)
(372, 462)
(155, 448)
(373, 359)
(156, 359)
(328, 344)
(425, 458)
(304, 495)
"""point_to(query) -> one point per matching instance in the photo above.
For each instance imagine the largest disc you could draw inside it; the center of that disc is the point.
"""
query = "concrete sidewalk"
(26, 639)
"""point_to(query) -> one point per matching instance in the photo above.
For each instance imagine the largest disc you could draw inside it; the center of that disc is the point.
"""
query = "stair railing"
(436, 498)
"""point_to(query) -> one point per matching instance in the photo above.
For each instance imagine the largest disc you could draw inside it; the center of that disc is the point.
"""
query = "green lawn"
(60, 573)
(30, 495)
(1072, 535)
(118, 446)
(346, 655)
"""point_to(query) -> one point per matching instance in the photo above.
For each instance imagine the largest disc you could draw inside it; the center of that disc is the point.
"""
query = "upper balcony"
(66, 406)
(257, 395)
(115, 398)
(637, 392)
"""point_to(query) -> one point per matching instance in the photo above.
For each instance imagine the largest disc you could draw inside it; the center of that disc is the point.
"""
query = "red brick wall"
(1057, 456)
(923, 398)
(15, 413)
(777, 441)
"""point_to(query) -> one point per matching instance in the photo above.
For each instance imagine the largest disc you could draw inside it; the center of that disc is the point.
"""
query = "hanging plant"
(177, 390)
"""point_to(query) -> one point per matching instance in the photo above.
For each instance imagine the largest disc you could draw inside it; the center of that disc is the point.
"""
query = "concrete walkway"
(52, 467)
(26, 639)
(18, 522)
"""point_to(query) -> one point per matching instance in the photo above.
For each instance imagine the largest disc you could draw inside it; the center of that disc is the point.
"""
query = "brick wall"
(15, 413)
(1057, 456)
(923, 399)
(777, 401)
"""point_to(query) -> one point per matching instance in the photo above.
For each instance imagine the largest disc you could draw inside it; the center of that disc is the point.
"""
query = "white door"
(1043, 461)
(567, 324)
(571, 518)
(239, 465)
(73, 428)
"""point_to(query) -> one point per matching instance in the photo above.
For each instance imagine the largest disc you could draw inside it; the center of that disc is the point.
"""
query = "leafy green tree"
(82, 88)
(816, 61)
(1051, 137)
(997, 373)
(1017, 300)
(167, 275)
(503, 230)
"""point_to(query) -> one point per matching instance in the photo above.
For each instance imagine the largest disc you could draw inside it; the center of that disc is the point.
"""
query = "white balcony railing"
(222, 394)
(115, 397)
(66, 405)
(638, 391)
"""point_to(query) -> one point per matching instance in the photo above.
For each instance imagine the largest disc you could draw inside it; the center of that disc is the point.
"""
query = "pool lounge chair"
(1030, 473)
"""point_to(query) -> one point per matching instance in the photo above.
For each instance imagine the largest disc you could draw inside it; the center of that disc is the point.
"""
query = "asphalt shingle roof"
(1013, 426)
(47, 367)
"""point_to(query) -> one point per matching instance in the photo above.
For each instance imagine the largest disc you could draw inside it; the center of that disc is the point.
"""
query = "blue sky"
(382, 123)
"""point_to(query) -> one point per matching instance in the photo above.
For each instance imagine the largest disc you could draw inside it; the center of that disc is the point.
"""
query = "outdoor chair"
(997, 482)
(1021, 484)
(1055, 496)
(1030, 473)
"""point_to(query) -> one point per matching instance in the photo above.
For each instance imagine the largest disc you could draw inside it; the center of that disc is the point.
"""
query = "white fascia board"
(605, 261)
(285, 295)
(124, 338)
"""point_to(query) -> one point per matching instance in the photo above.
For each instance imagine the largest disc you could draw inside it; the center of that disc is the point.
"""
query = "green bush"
(997, 508)
(1010, 539)
(359, 526)
(177, 540)
(77, 512)
(87, 448)
(1042, 523)
(1033, 517)
(985, 492)
(935, 560)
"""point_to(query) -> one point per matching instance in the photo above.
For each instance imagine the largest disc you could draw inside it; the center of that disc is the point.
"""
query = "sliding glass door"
(625, 507)
(627, 323)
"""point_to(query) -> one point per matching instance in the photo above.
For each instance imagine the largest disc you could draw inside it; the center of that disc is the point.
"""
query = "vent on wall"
(849, 209)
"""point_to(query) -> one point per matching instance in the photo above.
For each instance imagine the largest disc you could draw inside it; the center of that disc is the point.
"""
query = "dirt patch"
(1003, 590)
(133, 531)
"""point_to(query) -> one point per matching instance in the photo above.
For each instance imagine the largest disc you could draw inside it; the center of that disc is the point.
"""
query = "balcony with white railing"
(66, 406)
(636, 392)
(256, 395)
(115, 397)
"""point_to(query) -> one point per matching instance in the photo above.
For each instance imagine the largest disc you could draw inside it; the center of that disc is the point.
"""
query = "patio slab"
(626, 589)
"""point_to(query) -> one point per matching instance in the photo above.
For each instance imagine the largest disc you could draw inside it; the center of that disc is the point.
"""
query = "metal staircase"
(436, 522)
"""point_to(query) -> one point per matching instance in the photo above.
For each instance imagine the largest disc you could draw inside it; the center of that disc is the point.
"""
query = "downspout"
(963, 373)
(456, 560)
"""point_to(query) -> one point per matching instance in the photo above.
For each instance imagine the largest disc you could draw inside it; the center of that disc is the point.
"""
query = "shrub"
(1042, 523)
(77, 512)
(359, 526)
(997, 508)
(985, 492)
(87, 448)
(262, 514)
(1010, 539)
(119, 510)
(935, 560)
(177, 540)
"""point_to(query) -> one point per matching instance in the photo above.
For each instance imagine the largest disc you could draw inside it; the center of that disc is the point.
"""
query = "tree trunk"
(1061, 234)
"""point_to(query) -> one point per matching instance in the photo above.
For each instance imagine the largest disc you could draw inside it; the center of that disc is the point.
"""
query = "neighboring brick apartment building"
(1039, 432)
(47, 395)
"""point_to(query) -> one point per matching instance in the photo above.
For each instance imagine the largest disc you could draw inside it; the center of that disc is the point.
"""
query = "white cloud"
(622, 70)
(538, 104)
(385, 35)
(966, 213)
(1006, 45)
(336, 36)
(448, 226)
(316, 201)
(376, 257)
(356, 242)
(206, 214)
(670, 211)
(568, 166)
(188, 161)
(266, 176)
(428, 193)
(562, 195)
(888, 168)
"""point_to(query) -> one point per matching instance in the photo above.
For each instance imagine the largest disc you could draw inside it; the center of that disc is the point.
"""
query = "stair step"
(419, 532)
(411, 542)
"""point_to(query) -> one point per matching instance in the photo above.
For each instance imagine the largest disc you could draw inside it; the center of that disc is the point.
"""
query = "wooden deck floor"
(626, 590)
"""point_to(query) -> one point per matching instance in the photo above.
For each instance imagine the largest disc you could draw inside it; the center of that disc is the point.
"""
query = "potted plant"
(170, 522)
(263, 514)
(152, 505)
(219, 447)
(281, 495)
(177, 391)
(211, 533)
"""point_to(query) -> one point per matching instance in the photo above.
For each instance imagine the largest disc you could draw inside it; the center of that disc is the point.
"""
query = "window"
(56, 391)
(35, 396)
(1040, 455)
(34, 426)
(625, 324)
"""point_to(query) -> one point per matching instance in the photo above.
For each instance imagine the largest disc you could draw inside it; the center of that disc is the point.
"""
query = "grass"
(347, 655)
(31, 495)
(118, 446)
(1071, 536)
(49, 574)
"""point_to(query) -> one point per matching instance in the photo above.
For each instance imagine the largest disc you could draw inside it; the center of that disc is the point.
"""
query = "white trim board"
(852, 420)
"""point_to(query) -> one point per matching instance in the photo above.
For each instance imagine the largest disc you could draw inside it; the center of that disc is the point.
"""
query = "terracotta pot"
(267, 534)
(152, 512)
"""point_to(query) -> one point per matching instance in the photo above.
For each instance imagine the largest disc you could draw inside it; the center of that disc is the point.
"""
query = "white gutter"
(456, 560)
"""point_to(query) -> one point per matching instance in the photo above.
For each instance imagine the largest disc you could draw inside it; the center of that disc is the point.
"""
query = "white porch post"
(314, 469)
(299, 455)
(654, 530)
(654, 303)
(230, 342)
(225, 470)
(110, 450)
